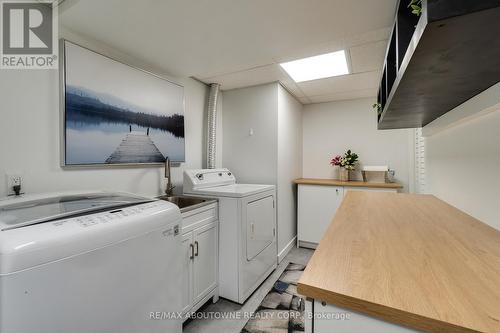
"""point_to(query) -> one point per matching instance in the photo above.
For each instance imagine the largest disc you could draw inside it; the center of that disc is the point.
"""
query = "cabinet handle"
(196, 245)
(192, 251)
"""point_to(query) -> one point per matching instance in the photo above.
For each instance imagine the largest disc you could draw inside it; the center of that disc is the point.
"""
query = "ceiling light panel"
(317, 67)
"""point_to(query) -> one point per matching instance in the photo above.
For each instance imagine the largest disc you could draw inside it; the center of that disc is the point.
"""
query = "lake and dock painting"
(115, 114)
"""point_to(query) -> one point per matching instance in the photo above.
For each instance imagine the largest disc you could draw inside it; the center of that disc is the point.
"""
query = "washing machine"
(247, 229)
(89, 262)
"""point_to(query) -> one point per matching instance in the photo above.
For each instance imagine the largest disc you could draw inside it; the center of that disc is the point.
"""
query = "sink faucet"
(170, 188)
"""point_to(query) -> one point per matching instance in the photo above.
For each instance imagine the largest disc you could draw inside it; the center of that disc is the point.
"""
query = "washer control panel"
(109, 216)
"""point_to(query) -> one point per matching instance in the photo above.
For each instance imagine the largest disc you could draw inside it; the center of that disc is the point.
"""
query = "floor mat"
(282, 310)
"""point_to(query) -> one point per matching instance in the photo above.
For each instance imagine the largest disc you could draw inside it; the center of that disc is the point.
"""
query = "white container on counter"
(375, 174)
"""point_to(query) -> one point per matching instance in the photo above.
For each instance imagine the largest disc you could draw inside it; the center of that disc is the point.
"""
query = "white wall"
(252, 158)
(463, 166)
(289, 165)
(29, 133)
(332, 128)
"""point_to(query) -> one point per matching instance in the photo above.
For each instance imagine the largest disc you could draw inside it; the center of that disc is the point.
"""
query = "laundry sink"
(186, 203)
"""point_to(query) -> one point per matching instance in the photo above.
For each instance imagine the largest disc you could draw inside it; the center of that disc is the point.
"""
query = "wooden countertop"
(333, 182)
(410, 259)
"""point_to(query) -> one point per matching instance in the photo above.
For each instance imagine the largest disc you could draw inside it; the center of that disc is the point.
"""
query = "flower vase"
(343, 174)
(336, 172)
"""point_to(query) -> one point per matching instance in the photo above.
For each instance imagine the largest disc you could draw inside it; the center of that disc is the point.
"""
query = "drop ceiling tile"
(368, 57)
(338, 84)
(247, 78)
(353, 94)
(335, 45)
(371, 36)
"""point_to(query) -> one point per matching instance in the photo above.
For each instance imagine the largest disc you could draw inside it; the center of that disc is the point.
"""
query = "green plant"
(349, 160)
(416, 7)
(377, 107)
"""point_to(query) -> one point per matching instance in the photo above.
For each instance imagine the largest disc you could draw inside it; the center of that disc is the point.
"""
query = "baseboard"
(287, 249)
(307, 245)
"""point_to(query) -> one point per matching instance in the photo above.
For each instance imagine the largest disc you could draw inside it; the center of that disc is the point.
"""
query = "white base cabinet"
(317, 205)
(200, 252)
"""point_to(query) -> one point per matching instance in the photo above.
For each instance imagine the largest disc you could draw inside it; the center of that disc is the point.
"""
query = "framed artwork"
(115, 114)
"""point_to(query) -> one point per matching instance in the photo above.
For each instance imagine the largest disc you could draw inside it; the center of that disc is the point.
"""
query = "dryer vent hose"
(212, 124)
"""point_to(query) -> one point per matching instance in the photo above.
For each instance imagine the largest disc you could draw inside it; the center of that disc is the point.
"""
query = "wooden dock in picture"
(136, 147)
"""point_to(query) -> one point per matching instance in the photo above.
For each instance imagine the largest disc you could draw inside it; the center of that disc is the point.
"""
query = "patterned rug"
(282, 310)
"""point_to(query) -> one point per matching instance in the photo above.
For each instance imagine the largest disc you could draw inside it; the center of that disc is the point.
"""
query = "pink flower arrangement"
(347, 161)
(336, 161)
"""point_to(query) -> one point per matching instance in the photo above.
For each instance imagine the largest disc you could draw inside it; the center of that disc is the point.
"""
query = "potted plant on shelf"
(335, 162)
(377, 107)
(415, 6)
(346, 163)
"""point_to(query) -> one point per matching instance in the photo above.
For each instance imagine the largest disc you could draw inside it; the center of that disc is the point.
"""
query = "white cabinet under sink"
(187, 272)
(200, 253)
(205, 261)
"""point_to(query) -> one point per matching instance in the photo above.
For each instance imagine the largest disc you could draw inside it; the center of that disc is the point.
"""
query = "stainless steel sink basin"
(186, 203)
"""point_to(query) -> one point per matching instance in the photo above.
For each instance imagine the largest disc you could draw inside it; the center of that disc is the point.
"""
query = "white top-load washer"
(247, 229)
(89, 262)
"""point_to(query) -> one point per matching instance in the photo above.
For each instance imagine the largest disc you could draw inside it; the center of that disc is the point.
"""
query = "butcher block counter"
(349, 183)
(408, 259)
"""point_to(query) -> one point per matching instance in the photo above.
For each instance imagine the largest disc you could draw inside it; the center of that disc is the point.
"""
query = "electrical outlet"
(13, 180)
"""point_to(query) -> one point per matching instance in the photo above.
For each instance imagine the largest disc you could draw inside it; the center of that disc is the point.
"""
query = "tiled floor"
(298, 256)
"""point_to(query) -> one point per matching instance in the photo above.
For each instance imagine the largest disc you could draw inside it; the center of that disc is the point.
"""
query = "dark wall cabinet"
(438, 60)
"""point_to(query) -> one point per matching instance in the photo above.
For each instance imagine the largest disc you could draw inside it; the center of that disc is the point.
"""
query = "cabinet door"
(205, 261)
(317, 206)
(187, 271)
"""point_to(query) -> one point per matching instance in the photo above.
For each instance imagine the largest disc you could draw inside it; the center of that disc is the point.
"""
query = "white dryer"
(247, 229)
(89, 262)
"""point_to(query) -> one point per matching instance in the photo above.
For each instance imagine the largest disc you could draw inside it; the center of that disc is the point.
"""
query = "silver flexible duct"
(212, 124)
